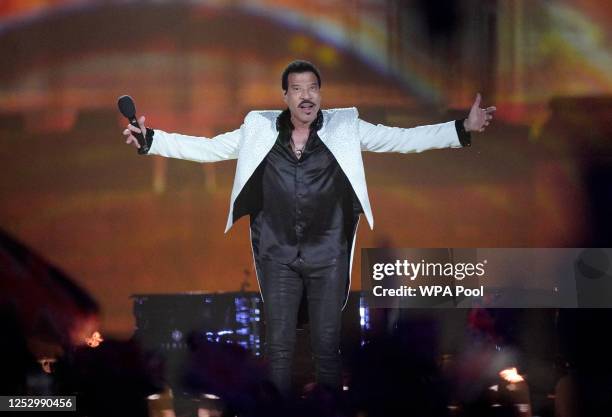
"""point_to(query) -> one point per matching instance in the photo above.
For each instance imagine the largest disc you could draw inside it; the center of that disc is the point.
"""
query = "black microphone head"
(127, 107)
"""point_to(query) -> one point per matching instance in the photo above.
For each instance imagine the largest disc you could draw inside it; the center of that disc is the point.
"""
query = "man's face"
(303, 96)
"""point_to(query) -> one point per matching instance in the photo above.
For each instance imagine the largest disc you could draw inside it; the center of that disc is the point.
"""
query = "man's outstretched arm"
(453, 134)
(193, 148)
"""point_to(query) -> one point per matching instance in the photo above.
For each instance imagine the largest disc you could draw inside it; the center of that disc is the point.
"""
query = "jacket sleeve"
(194, 148)
(380, 138)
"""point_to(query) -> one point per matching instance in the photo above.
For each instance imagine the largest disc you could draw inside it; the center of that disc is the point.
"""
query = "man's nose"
(305, 94)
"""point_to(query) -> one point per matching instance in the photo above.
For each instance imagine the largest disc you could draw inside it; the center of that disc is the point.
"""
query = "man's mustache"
(306, 102)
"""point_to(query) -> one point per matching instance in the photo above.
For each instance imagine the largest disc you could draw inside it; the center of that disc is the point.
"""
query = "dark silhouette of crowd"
(398, 370)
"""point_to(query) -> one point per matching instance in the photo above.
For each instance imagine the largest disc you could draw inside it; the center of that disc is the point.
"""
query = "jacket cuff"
(149, 140)
(465, 138)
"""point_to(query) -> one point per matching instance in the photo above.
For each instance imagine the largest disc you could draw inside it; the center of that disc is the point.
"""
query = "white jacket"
(344, 134)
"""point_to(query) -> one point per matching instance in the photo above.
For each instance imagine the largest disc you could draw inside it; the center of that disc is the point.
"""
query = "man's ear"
(285, 96)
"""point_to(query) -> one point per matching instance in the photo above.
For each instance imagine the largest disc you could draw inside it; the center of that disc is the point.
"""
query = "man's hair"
(299, 66)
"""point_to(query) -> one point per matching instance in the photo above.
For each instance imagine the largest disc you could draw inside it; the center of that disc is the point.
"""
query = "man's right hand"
(130, 138)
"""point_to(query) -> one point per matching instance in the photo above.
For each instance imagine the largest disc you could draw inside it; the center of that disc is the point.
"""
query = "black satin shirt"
(308, 208)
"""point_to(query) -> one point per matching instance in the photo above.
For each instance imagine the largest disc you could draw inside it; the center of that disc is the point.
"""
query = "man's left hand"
(478, 118)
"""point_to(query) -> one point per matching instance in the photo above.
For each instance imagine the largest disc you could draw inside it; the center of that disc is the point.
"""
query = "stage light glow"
(511, 375)
(94, 340)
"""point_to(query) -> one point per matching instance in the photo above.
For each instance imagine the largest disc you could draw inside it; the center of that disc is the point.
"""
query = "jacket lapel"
(259, 137)
(339, 136)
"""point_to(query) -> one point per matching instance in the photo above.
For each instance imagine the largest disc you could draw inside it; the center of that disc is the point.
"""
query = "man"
(301, 180)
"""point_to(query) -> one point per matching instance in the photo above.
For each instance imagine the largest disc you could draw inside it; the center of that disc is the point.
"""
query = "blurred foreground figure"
(51, 312)
(50, 344)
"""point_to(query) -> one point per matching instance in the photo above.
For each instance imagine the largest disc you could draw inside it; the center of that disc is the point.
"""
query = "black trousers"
(282, 286)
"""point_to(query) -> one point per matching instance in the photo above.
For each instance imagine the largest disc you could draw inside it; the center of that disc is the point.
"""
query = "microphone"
(128, 109)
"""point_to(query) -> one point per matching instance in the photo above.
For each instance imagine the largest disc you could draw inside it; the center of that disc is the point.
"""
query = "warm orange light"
(511, 375)
(94, 340)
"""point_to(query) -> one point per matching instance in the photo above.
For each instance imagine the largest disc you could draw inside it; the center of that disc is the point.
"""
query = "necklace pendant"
(298, 151)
